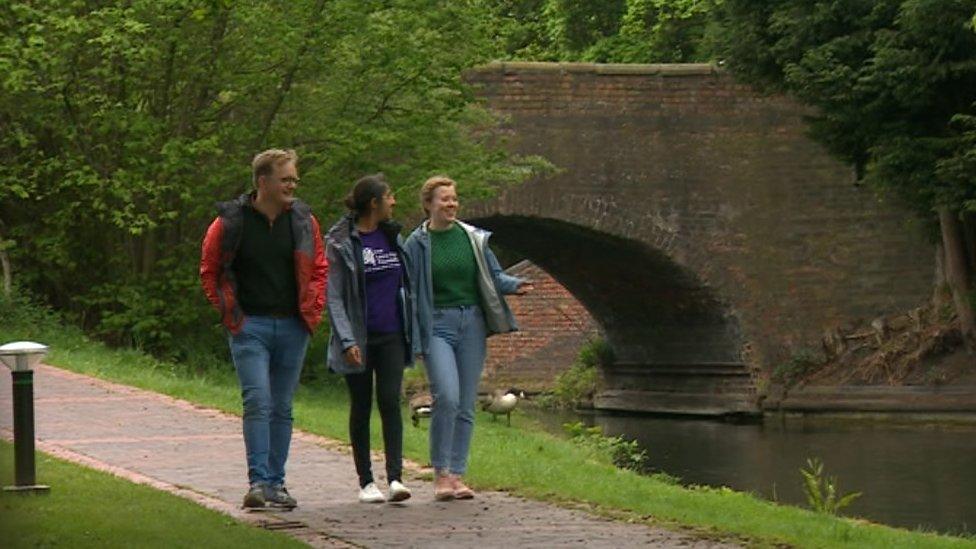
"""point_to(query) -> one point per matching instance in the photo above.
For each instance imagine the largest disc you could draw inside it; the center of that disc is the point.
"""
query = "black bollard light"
(21, 357)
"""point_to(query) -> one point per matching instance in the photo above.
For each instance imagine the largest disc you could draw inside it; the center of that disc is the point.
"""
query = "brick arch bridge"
(706, 234)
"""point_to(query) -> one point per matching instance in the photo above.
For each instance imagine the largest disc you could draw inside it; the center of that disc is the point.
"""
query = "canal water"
(912, 475)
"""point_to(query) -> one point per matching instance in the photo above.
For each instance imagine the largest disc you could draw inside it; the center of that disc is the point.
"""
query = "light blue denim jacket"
(493, 285)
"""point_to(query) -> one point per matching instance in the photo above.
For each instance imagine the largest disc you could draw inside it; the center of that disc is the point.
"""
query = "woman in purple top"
(369, 316)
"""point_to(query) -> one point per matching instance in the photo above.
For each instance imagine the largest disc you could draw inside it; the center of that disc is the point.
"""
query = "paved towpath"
(198, 453)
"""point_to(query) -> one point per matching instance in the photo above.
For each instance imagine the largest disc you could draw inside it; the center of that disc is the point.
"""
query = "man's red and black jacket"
(220, 246)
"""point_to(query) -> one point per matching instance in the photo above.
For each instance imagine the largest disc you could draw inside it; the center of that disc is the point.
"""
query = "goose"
(502, 402)
(420, 406)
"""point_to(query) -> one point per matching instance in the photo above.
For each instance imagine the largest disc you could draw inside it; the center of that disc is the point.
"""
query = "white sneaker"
(398, 492)
(371, 494)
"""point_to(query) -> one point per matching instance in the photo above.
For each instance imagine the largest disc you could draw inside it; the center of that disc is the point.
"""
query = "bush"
(822, 491)
(802, 363)
(25, 313)
(626, 454)
(578, 384)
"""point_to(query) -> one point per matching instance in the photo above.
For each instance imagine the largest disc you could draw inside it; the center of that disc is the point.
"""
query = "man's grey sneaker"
(398, 492)
(278, 496)
(255, 497)
(371, 494)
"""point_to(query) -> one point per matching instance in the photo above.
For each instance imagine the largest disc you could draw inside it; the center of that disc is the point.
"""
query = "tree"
(574, 25)
(657, 31)
(894, 84)
(604, 31)
(124, 121)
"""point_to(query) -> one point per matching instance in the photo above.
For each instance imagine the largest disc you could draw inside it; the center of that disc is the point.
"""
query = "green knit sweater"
(453, 268)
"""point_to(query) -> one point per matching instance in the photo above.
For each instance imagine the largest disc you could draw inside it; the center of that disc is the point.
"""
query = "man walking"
(263, 268)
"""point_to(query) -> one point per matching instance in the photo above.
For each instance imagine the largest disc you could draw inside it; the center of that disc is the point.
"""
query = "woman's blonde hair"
(431, 185)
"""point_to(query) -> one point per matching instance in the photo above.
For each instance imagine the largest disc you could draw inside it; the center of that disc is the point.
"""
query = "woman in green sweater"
(459, 289)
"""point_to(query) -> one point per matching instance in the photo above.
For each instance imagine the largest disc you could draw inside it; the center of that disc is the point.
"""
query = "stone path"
(198, 454)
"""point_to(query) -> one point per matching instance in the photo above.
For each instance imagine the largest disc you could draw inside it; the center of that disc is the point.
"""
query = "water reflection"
(911, 475)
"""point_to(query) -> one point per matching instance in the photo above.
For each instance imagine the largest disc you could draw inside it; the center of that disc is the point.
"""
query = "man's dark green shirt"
(265, 265)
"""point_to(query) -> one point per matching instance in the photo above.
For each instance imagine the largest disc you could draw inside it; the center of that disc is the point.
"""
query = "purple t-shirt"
(383, 272)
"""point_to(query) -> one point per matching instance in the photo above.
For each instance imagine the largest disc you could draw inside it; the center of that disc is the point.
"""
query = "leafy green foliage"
(579, 383)
(822, 492)
(125, 121)
(596, 352)
(957, 169)
(657, 31)
(626, 454)
(605, 31)
(21, 310)
(801, 363)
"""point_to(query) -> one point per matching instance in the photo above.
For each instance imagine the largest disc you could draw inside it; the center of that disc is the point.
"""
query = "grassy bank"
(522, 459)
(87, 508)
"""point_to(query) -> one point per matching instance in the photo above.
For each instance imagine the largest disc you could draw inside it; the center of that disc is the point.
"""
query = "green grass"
(88, 508)
(523, 459)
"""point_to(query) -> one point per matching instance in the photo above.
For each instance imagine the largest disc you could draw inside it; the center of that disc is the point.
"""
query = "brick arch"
(651, 309)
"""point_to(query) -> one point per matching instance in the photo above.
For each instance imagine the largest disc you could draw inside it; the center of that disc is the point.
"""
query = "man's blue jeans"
(268, 354)
(454, 362)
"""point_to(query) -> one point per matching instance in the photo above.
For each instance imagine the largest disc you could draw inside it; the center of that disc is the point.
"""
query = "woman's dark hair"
(360, 198)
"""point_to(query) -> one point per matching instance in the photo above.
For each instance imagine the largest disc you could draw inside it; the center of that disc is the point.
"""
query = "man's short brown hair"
(265, 162)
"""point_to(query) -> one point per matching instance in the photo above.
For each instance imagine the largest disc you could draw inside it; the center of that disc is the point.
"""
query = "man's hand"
(524, 288)
(353, 356)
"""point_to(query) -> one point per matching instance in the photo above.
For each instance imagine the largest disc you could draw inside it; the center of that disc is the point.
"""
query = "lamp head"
(22, 355)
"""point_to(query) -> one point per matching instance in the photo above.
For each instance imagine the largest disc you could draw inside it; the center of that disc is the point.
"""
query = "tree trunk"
(149, 245)
(958, 274)
(939, 284)
(8, 277)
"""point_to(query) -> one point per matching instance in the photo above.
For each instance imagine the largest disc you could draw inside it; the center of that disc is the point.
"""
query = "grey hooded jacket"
(346, 298)
(493, 285)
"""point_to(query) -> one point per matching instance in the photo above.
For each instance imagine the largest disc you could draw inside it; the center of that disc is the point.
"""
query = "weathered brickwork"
(691, 215)
(553, 326)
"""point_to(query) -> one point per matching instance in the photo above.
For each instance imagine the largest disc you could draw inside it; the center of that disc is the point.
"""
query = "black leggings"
(384, 357)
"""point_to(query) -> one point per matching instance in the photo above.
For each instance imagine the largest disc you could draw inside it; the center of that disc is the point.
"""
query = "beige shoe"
(461, 490)
(443, 487)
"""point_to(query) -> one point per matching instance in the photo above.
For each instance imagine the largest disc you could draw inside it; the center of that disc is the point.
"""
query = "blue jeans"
(454, 362)
(268, 354)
